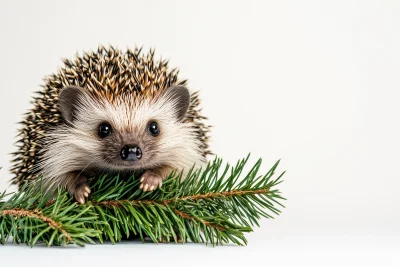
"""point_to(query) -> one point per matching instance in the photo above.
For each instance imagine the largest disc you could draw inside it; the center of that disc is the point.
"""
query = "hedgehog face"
(131, 132)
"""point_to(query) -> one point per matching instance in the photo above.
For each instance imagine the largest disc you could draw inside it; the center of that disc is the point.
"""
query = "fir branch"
(212, 205)
(213, 196)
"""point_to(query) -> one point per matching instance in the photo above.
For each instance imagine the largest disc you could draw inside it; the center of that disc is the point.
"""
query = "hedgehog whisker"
(84, 168)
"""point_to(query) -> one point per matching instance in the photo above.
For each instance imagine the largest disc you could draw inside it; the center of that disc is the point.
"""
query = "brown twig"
(38, 215)
(118, 203)
(187, 216)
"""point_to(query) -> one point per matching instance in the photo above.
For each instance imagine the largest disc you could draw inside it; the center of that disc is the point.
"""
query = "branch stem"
(118, 203)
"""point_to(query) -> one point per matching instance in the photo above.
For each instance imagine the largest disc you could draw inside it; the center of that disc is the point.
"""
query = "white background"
(315, 83)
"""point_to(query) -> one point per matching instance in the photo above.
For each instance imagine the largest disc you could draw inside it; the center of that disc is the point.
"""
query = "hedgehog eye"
(153, 128)
(104, 130)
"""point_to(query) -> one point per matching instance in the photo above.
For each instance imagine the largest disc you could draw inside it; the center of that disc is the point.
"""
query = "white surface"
(272, 251)
(315, 83)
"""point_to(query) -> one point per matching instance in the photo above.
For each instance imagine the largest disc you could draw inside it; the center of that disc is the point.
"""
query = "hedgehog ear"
(181, 96)
(68, 100)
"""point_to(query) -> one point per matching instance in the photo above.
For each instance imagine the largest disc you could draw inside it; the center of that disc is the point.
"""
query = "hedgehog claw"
(80, 200)
(87, 190)
(81, 191)
(150, 181)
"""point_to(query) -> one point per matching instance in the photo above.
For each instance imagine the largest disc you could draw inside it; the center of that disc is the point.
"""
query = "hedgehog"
(110, 111)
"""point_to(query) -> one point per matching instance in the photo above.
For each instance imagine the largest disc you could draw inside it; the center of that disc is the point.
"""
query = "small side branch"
(38, 215)
(187, 216)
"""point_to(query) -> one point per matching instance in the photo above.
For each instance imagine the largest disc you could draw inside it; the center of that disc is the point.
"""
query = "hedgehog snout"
(131, 153)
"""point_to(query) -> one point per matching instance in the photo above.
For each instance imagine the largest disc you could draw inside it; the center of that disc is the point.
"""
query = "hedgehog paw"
(150, 181)
(81, 191)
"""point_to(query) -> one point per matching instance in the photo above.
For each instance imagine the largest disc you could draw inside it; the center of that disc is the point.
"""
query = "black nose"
(131, 152)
